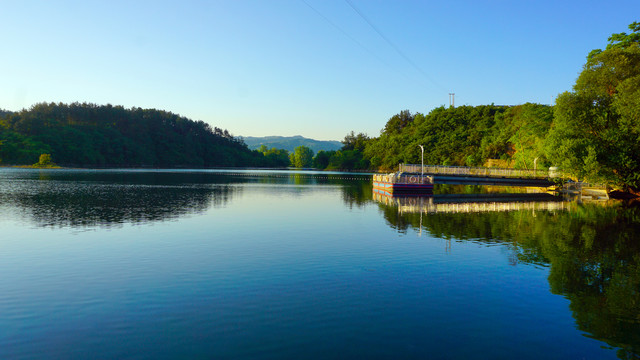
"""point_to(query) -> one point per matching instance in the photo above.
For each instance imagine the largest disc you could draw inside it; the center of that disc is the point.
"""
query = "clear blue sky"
(317, 68)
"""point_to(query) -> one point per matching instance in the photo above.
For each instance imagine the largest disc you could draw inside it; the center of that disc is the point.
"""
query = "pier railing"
(477, 171)
(403, 179)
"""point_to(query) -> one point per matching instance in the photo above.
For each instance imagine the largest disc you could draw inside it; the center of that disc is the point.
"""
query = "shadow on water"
(592, 249)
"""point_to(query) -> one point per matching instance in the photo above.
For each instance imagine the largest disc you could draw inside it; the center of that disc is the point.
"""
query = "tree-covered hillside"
(4, 113)
(94, 135)
(463, 136)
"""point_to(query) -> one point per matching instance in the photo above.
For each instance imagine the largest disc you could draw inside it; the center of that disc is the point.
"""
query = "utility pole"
(452, 99)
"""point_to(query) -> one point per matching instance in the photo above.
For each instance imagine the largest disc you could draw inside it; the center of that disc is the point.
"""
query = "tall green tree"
(321, 160)
(275, 157)
(355, 142)
(302, 157)
(399, 122)
(596, 130)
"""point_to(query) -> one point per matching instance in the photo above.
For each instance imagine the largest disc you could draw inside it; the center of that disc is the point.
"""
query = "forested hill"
(92, 135)
(4, 113)
(290, 143)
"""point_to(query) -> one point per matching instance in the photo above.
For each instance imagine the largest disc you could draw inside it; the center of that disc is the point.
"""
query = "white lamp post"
(422, 166)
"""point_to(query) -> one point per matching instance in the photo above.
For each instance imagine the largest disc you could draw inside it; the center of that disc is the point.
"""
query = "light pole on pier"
(422, 166)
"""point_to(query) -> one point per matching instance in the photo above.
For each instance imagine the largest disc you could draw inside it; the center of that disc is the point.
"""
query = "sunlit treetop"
(621, 40)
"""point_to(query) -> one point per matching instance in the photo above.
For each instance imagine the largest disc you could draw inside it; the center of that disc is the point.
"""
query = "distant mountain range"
(290, 143)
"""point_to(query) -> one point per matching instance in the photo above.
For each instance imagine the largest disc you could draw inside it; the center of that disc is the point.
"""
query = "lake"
(152, 264)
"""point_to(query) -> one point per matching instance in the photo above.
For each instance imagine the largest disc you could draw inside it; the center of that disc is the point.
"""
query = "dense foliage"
(275, 158)
(596, 129)
(91, 135)
(465, 135)
(44, 161)
(301, 157)
(4, 113)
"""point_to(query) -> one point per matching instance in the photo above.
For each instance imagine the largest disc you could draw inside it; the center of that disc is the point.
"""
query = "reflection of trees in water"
(105, 205)
(398, 221)
(593, 253)
(109, 198)
(595, 263)
(356, 188)
(357, 193)
(293, 178)
(106, 199)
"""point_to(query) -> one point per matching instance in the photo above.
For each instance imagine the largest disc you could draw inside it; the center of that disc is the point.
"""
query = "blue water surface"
(221, 265)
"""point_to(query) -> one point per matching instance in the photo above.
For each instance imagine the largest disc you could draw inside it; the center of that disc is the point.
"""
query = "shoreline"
(614, 194)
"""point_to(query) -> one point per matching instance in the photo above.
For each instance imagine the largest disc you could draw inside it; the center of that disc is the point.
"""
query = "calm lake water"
(285, 265)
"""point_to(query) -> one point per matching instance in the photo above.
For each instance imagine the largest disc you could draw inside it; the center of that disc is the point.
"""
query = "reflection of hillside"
(107, 199)
(592, 250)
(108, 205)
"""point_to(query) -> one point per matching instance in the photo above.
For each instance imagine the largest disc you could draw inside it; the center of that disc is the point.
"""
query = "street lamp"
(422, 166)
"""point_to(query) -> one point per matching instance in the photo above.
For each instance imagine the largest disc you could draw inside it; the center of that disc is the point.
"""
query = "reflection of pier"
(467, 203)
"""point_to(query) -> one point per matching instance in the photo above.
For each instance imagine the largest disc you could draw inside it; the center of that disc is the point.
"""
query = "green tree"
(521, 134)
(275, 157)
(595, 134)
(321, 160)
(399, 122)
(355, 142)
(302, 157)
(44, 161)
(346, 160)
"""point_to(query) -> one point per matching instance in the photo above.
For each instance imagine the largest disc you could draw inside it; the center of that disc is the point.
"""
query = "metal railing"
(477, 171)
(402, 179)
